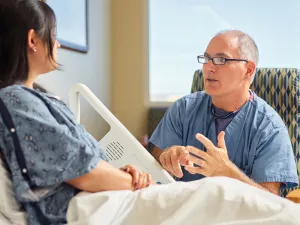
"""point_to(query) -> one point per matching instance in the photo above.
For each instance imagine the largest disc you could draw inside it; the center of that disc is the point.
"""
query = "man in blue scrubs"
(226, 130)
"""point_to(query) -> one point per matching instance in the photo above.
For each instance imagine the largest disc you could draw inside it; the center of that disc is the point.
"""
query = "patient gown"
(43, 146)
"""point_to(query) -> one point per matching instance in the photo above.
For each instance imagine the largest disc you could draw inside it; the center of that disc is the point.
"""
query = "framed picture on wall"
(72, 23)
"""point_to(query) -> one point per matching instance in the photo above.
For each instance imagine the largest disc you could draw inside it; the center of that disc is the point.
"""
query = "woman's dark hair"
(17, 17)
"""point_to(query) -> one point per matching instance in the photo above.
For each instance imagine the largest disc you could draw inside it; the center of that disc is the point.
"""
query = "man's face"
(220, 80)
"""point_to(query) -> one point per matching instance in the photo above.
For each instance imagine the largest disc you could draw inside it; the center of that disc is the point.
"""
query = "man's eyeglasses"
(216, 60)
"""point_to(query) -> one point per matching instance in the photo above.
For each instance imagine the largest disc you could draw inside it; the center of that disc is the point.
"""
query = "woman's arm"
(73, 155)
(103, 178)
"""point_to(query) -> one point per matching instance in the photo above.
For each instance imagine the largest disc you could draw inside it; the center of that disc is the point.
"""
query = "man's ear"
(251, 67)
(32, 40)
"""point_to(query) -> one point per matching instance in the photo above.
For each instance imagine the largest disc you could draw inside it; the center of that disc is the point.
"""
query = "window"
(181, 29)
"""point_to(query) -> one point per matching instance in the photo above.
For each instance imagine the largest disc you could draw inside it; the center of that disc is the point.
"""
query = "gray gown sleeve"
(55, 148)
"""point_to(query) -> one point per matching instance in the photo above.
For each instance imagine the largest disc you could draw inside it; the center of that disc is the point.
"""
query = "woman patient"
(51, 158)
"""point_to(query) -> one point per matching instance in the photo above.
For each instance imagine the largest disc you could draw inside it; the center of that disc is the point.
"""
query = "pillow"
(9, 207)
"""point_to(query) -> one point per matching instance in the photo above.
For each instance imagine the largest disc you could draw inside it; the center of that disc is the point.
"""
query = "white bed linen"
(217, 200)
(4, 221)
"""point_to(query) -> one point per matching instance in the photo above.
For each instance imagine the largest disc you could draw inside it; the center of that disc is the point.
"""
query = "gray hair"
(247, 47)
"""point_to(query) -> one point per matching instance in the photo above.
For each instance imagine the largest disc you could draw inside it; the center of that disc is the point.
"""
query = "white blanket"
(208, 201)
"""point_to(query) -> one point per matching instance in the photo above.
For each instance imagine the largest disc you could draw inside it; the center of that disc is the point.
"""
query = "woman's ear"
(32, 40)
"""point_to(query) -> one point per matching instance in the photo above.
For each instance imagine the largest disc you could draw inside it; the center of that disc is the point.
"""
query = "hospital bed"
(210, 196)
(120, 146)
(4, 221)
(223, 197)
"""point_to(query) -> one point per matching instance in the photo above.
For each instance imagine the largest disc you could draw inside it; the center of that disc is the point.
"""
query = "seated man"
(227, 128)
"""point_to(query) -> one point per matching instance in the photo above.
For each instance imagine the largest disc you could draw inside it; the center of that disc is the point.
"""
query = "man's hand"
(139, 178)
(172, 158)
(213, 162)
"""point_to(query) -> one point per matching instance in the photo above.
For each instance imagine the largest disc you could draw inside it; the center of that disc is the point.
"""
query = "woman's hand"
(140, 179)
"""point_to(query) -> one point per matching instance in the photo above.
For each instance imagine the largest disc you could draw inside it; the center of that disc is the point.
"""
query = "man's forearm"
(235, 173)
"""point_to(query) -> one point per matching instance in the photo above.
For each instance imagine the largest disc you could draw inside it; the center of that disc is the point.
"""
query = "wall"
(129, 39)
(92, 69)
(115, 68)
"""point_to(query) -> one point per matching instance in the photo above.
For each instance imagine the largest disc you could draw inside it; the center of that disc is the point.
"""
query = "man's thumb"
(221, 140)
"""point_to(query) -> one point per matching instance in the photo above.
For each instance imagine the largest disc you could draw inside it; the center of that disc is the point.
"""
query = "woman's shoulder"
(28, 106)
(17, 90)
(23, 101)
(5, 92)
(20, 92)
(16, 96)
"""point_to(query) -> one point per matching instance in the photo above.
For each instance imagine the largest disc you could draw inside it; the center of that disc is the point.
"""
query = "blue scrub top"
(257, 140)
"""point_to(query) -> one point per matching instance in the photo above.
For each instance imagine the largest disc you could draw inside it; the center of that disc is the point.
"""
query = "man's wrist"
(157, 156)
(230, 169)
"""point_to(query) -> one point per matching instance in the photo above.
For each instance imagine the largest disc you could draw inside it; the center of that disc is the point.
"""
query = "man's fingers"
(183, 157)
(197, 152)
(168, 163)
(163, 162)
(189, 165)
(221, 140)
(205, 141)
(187, 168)
(197, 161)
(170, 160)
(196, 170)
(176, 169)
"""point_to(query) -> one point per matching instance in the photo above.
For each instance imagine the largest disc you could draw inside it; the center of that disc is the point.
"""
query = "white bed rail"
(120, 146)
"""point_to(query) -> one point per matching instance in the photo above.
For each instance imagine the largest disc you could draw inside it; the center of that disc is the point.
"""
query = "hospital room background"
(141, 54)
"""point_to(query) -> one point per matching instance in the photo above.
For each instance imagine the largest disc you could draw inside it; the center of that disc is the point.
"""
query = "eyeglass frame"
(226, 59)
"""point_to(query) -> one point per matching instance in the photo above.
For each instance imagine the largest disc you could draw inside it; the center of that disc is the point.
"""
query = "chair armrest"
(294, 196)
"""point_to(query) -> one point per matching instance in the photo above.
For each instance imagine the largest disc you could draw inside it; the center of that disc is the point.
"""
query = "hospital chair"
(280, 88)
